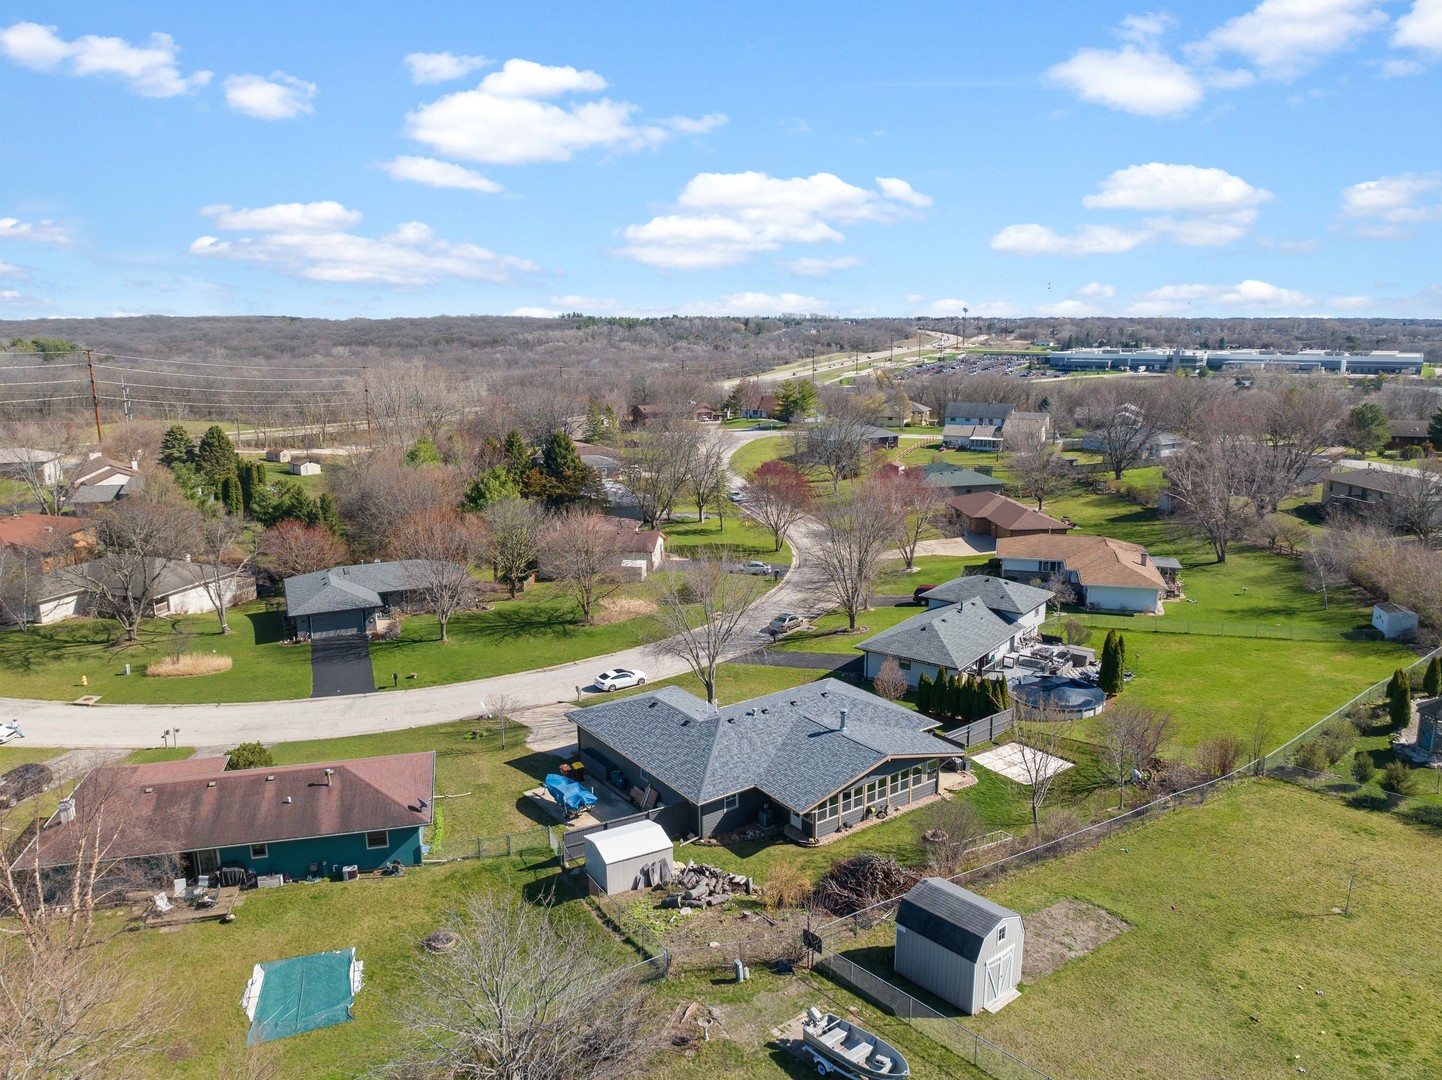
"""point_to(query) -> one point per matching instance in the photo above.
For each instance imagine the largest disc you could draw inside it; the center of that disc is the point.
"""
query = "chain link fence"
(1169, 625)
(543, 838)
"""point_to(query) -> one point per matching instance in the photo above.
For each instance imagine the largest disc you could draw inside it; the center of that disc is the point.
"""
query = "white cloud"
(310, 240)
(724, 219)
(441, 66)
(36, 232)
(1087, 240)
(1145, 27)
(149, 70)
(1211, 230)
(274, 97)
(1139, 80)
(686, 125)
(1283, 38)
(813, 267)
(757, 303)
(509, 120)
(12, 272)
(1383, 208)
(950, 307)
(1245, 296)
(439, 174)
(535, 313)
(1421, 28)
(1190, 188)
(1095, 290)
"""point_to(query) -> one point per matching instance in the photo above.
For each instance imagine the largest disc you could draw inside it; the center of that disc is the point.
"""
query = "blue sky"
(385, 159)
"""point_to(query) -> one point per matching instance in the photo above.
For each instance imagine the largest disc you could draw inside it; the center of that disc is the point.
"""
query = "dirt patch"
(621, 609)
(1064, 931)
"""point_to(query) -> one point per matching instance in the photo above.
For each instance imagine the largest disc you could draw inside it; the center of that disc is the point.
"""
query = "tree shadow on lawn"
(512, 621)
(40, 647)
(267, 626)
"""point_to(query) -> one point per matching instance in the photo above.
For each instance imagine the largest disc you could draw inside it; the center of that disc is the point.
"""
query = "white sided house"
(1022, 605)
(964, 948)
(1110, 575)
(633, 856)
(177, 587)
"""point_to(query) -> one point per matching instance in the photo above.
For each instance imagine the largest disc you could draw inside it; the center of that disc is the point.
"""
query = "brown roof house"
(991, 514)
(1111, 575)
(52, 541)
(296, 821)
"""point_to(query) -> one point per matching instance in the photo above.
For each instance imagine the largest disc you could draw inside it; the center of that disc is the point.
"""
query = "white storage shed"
(634, 856)
(1393, 620)
(962, 947)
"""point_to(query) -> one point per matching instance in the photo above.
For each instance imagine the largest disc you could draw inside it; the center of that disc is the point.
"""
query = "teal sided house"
(292, 820)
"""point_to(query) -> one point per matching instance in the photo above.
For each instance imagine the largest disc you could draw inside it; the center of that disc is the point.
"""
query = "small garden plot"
(1021, 764)
(1064, 931)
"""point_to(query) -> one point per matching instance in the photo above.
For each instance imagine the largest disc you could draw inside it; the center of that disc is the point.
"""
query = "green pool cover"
(303, 993)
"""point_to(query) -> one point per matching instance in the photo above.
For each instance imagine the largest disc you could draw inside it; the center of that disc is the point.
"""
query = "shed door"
(998, 977)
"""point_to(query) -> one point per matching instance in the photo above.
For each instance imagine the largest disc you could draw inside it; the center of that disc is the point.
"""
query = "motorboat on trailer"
(839, 1046)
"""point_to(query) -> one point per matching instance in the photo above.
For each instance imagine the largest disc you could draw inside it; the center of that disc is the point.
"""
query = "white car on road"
(619, 679)
(755, 566)
(10, 731)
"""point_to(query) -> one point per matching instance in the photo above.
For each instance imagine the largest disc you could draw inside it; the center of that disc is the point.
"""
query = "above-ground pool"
(1059, 694)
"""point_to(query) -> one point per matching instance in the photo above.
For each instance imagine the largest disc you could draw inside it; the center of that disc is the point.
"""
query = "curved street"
(61, 724)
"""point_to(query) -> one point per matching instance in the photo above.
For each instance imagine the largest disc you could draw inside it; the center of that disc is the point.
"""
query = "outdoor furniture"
(269, 881)
(180, 886)
(207, 900)
(162, 903)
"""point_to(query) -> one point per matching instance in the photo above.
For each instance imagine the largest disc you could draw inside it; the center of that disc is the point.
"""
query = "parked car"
(619, 679)
(785, 623)
(10, 730)
(734, 495)
(918, 595)
(23, 781)
(756, 566)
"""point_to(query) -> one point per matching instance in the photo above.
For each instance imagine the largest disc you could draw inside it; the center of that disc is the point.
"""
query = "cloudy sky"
(746, 158)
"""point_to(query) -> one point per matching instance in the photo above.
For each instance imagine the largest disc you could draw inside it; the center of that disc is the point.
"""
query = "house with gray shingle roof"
(811, 759)
(344, 599)
(952, 639)
(1013, 601)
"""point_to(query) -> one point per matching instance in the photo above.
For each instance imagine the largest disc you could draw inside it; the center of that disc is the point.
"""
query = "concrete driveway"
(341, 664)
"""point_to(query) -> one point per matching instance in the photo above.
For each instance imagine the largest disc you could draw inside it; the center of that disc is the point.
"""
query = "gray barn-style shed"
(628, 857)
(960, 946)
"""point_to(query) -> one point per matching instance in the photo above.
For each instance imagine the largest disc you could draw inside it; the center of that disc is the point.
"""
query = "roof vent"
(150, 791)
(270, 778)
(651, 704)
(794, 701)
(765, 711)
(751, 712)
(843, 721)
(328, 774)
(731, 719)
(288, 799)
(210, 783)
(686, 722)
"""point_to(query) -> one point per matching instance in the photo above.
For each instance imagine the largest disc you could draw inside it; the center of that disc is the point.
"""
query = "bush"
(1336, 739)
(1221, 755)
(1397, 778)
(249, 755)
(1363, 768)
(890, 683)
(787, 886)
(1413, 453)
(1311, 756)
(172, 667)
(1075, 633)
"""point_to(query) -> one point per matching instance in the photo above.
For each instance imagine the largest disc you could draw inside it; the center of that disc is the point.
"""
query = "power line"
(224, 405)
(217, 389)
(237, 378)
(242, 364)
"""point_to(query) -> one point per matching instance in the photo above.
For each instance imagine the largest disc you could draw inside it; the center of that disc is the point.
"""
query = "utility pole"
(366, 388)
(94, 397)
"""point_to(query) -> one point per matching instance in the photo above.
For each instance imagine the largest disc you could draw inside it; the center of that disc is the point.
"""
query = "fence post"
(478, 847)
(975, 1048)
(509, 848)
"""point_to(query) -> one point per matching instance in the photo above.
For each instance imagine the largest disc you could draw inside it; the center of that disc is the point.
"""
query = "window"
(259, 851)
(1050, 566)
(644, 778)
(1001, 933)
(827, 810)
(377, 840)
(905, 665)
(731, 802)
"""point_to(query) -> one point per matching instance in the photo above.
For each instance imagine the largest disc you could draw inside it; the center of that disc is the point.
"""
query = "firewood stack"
(699, 885)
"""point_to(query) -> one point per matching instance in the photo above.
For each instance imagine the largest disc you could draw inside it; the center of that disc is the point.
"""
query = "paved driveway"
(340, 663)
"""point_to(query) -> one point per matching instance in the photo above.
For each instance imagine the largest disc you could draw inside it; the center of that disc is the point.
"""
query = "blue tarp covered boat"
(569, 795)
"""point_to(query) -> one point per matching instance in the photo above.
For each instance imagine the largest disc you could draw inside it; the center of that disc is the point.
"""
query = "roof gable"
(955, 918)
(349, 588)
(998, 594)
(1096, 560)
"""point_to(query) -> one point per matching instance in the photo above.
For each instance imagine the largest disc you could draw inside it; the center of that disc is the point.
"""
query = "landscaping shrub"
(1397, 778)
(249, 755)
(1399, 701)
(953, 827)
(1220, 754)
(1311, 756)
(890, 683)
(1076, 633)
(1112, 666)
(1413, 453)
(1337, 739)
(1363, 768)
(190, 664)
(786, 886)
(1432, 680)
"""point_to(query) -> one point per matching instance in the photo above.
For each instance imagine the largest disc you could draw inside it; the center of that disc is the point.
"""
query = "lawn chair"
(162, 903)
(180, 886)
(202, 882)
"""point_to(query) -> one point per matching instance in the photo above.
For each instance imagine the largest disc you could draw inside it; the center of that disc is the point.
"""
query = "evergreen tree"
(423, 454)
(1399, 710)
(518, 456)
(1368, 427)
(1432, 681)
(1392, 684)
(923, 694)
(956, 697)
(246, 476)
(1110, 678)
(595, 429)
(288, 501)
(1434, 430)
(230, 495)
(329, 513)
(216, 457)
(571, 479)
(493, 485)
(176, 447)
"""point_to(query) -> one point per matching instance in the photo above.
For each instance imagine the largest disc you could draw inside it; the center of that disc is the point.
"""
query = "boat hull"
(839, 1046)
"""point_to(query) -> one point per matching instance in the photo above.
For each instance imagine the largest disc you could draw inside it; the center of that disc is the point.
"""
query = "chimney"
(843, 721)
(135, 463)
(1144, 558)
(328, 774)
(65, 811)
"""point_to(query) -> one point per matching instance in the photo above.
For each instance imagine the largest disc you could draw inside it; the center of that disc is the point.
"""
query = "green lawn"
(17, 753)
(758, 452)
(744, 537)
(1233, 933)
(829, 633)
(275, 472)
(159, 753)
(930, 570)
(734, 682)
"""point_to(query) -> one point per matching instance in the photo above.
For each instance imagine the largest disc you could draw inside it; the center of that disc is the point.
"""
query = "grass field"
(743, 537)
(1232, 908)
(829, 634)
(759, 451)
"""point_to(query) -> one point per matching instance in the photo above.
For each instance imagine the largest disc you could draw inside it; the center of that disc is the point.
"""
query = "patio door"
(998, 977)
(205, 862)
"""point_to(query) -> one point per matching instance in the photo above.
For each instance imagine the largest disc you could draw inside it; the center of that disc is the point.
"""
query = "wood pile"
(862, 881)
(699, 885)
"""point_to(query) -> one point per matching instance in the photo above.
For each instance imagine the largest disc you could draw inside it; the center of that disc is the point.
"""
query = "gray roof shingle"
(955, 918)
(349, 588)
(996, 593)
(787, 744)
(952, 637)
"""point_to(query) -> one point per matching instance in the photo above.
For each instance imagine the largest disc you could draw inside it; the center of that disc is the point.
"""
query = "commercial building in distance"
(1389, 362)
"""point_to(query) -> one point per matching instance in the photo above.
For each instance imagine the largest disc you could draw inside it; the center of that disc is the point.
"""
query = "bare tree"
(706, 482)
(1130, 736)
(226, 549)
(1214, 487)
(1040, 736)
(778, 496)
(134, 540)
(914, 507)
(890, 681)
(582, 550)
(701, 612)
(1040, 474)
(46, 454)
(290, 548)
(656, 469)
(837, 446)
(1123, 426)
(497, 1005)
(444, 546)
(377, 491)
(1296, 422)
(1414, 503)
(514, 530)
(854, 534)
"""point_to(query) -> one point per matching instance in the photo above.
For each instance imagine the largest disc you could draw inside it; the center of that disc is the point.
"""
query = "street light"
(964, 312)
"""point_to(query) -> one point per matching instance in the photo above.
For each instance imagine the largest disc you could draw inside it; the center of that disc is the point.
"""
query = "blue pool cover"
(285, 997)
